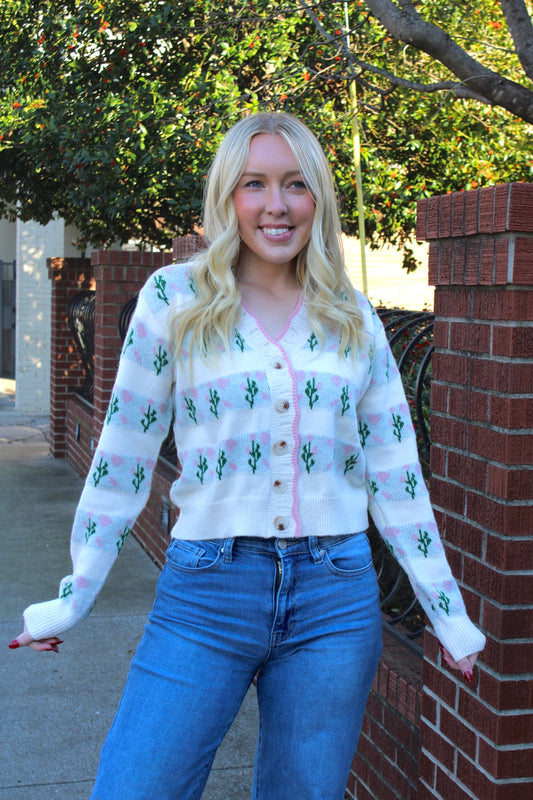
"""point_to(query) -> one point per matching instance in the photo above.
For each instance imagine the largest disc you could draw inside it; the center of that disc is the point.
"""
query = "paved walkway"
(56, 709)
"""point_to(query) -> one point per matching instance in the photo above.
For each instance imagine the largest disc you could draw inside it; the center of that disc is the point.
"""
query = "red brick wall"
(386, 763)
(80, 438)
(69, 276)
(477, 741)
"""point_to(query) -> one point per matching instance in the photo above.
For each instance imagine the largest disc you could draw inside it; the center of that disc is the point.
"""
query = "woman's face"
(274, 208)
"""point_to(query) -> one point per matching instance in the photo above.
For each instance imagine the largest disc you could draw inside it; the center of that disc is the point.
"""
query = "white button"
(281, 523)
(280, 448)
(280, 486)
(282, 406)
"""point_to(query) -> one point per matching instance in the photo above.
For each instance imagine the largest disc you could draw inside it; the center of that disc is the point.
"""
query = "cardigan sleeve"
(118, 484)
(399, 501)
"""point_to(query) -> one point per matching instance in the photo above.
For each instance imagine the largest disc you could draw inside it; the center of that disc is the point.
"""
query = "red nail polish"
(468, 676)
(13, 645)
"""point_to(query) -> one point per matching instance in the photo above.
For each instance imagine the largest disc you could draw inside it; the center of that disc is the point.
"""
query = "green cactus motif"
(311, 392)
(202, 468)
(129, 340)
(252, 391)
(191, 408)
(221, 462)
(411, 484)
(312, 342)
(371, 357)
(160, 361)
(161, 285)
(113, 408)
(387, 368)
(122, 539)
(374, 488)
(255, 455)
(192, 285)
(350, 463)
(307, 457)
(214, 401)
(397, 425)
(91, 530)
(424, 540)
(100, 471)
(444, 603)
(138, 478)
(345, 400)
(67, 590)
(149, 418)
(239, 340)
(364, 433)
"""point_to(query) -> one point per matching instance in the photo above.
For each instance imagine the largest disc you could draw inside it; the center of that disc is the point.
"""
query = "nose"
(276, 203)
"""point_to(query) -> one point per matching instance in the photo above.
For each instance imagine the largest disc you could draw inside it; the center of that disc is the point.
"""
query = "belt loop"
(227, 549)
(314, 549)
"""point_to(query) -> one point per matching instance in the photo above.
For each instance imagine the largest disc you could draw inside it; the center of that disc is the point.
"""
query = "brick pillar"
(69, 276)
(119, 275)
(477, 741)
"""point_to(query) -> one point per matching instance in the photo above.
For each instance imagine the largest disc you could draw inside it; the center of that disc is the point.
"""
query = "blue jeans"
(305, 613)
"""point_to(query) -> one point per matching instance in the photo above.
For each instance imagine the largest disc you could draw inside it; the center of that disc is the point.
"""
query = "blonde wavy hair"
(320, 270)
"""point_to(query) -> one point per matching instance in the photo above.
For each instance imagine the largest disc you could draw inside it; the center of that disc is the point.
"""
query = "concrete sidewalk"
(56, 709)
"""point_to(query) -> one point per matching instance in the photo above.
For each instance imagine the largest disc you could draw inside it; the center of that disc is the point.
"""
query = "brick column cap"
(491, 209)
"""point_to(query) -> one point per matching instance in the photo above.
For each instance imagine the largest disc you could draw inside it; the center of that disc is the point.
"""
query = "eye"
(253, 184)
(298, 185)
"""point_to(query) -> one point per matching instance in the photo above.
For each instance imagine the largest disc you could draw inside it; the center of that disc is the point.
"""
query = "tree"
(111, 109)
(475, 79)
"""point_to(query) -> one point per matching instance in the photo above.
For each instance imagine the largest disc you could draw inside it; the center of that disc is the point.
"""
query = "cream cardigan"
(277, 438)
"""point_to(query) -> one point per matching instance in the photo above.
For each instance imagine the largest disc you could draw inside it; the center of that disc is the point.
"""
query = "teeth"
(275, 231)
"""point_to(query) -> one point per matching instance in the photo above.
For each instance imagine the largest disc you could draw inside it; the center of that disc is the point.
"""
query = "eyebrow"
(257, 174)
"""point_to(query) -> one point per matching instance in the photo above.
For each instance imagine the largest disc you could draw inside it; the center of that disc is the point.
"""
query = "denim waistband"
(283, 546)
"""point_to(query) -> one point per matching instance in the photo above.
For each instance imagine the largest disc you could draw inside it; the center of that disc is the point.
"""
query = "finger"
(25, 640)
(47, 645)
(21, 640)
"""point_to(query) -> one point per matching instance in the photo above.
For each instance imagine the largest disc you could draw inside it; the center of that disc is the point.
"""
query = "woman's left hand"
(466, 664)
(24, 639)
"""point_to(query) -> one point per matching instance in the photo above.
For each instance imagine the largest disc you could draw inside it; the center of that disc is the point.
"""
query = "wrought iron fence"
(410, 335)
(80, 315)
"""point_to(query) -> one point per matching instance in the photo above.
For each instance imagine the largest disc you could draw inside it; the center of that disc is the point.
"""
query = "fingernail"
(13, 645)
(468, 676)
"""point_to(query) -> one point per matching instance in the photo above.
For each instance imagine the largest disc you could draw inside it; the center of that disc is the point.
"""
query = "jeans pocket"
(349, 555)
(194, 556)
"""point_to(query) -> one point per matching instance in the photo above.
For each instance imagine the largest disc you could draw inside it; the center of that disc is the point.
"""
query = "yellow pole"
(357, 162)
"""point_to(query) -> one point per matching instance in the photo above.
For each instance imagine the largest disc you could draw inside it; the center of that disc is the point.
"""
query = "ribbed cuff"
(459, 636)
(51, 618)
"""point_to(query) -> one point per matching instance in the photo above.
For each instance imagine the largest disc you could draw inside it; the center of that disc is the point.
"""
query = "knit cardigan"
(276, 438)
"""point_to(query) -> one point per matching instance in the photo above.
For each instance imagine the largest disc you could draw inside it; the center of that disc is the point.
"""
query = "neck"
(273, 278)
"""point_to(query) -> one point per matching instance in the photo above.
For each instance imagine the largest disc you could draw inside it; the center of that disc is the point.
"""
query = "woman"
(291, 424)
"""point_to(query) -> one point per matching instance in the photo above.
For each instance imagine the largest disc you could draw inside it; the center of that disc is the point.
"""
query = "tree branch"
(404, 23)
(521, 29)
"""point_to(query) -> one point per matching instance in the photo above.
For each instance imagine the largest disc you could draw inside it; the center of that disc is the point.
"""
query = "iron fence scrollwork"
(80, 315)
(410, 336)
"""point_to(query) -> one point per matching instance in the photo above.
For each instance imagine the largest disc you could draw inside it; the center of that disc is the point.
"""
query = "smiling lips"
(276, 233)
